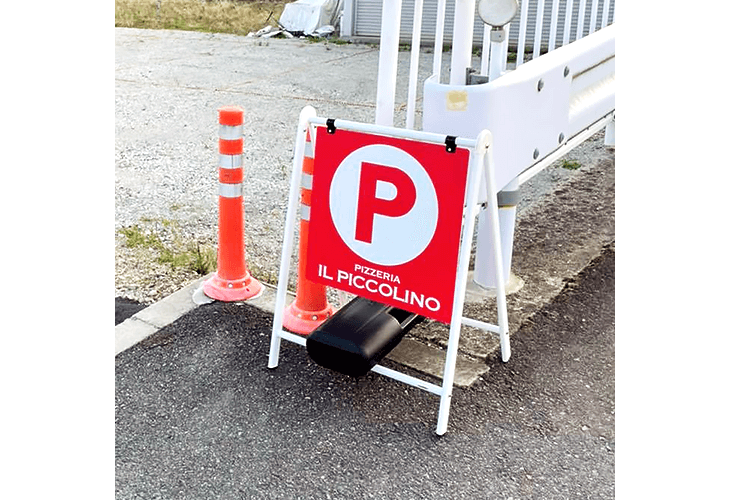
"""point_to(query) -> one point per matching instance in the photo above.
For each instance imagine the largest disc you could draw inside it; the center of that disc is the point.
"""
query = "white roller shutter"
(366, 23)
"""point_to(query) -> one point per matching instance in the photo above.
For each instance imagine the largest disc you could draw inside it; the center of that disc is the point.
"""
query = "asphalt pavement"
(199, 415)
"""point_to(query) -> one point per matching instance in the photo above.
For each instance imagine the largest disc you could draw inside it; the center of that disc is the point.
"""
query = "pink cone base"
(304, 322)
(232, 290)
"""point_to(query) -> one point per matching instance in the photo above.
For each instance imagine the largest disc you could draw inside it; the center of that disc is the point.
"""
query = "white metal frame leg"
(481, 170)
(291, 214)
(502, 319)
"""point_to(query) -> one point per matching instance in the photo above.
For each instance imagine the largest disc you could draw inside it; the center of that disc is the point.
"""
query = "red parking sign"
(386, 218)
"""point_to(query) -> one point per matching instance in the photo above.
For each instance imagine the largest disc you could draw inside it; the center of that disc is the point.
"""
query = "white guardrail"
(534, 110)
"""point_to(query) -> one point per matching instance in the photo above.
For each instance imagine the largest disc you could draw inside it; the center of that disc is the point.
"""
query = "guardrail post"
(485, 273)
(610, 137)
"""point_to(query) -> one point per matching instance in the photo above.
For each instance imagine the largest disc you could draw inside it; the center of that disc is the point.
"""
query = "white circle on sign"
(397, 239)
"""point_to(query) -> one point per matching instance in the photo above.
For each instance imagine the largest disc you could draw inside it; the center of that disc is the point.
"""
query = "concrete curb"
(151, 319)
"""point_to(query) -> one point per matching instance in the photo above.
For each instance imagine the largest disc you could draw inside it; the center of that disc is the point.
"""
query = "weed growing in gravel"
(168, 256)
(201, 260)
(136, 238)
(267, 277)
(570, 164)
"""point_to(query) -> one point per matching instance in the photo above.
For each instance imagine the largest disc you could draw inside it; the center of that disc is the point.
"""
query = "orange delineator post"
(232, 281)
(310, 307)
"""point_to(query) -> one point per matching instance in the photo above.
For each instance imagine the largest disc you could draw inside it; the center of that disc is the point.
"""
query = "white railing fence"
(551, 19)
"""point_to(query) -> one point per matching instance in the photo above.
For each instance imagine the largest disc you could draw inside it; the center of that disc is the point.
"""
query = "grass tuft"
(571, 164)
(201, 260)
(136, 238)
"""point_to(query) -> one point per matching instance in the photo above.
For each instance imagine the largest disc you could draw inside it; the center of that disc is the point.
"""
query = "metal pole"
(415, 52)
(581, 19)
(388, 62)
(463, 37)
(523, 32)
(567, 22)
(498, 40)
(604, 16)
(438, 44)
(537, 39)
(553, 25)
(594, 16)
(486, 46)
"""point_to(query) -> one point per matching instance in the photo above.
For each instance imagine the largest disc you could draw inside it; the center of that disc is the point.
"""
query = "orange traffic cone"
(232, 281)
(310, 307)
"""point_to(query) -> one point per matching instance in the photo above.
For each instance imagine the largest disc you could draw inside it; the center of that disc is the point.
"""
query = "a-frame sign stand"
(408, 152)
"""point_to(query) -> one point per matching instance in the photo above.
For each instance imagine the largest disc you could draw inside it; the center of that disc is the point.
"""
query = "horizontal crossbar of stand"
(297, 339)
(417, 135)
(380, 369)
(480, 324)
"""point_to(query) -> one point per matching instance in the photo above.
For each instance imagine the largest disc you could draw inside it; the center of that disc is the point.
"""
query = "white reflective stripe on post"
(230, 190)
(304, 211)
(230, 132)
(306, 181)
(230, 161)
(308, 150)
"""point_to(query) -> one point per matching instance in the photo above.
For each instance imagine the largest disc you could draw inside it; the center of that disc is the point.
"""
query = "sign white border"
(481, 168)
